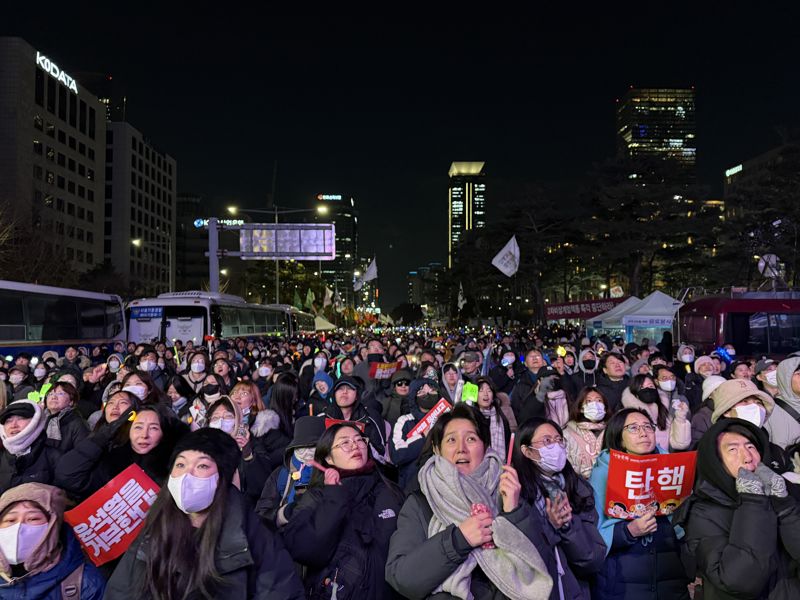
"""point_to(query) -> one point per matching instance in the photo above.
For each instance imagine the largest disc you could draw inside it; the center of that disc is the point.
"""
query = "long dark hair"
(636, 387)
(530, 474)
(154, 394)
(613, 439)
(181, 386)
(180, 558)
(575, 408)
(283, 399)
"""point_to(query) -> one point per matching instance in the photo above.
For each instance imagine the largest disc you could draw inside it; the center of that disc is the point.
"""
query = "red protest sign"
(383, 370)
(638, 484)
(421, 428)
(110, 519)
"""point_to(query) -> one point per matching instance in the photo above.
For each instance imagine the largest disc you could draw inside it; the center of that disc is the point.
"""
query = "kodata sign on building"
(50, 67)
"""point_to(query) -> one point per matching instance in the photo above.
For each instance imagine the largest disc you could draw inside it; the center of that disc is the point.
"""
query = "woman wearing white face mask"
(671, 416)
(38, 553)
(40, 373)
(201, 539)
(199, 367)
(565, 501)
(585, 430)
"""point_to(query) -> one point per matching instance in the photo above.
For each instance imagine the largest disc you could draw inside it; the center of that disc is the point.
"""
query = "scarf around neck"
(515, 565)
(498, 432)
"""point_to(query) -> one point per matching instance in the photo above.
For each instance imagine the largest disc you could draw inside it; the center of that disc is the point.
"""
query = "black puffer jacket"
(743, 545)
(37, 466)
(345, 529)
(73, 429)
(612, 391)
(250, 559)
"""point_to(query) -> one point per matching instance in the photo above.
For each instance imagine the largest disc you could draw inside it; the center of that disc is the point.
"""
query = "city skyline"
(383, 125)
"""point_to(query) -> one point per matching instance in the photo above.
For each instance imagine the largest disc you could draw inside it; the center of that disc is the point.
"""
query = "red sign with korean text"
(651, 482)
(584, 309)
(110, 519)
(430, 418)
(383, 370)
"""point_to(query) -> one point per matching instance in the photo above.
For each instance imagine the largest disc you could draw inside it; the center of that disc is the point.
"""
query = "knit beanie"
(217, 444)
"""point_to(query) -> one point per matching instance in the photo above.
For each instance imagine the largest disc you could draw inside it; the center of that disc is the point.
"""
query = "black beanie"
(220, 446)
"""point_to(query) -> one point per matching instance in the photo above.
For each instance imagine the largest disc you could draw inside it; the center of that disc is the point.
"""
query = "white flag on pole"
(328, 297)
(370, 274)
(461, 299)
(507, 260)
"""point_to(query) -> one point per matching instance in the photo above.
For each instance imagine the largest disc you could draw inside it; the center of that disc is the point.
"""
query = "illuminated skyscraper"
(341, 211)
(658, 122)
(466, 203)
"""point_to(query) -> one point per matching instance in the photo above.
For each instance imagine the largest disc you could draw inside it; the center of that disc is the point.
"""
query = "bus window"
(259, 318)
(230, 321)
(114, 320)
(245, 320)
(92, 319)
(697, 330)
(784, 333)
(750, 331)
(12, 322)
(54, 318)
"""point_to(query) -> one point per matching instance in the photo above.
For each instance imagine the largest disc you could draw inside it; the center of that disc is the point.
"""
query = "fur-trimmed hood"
(266, 420)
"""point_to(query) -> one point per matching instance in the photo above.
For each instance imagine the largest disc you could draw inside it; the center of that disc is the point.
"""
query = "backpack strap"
(788, 408)
(71, 585)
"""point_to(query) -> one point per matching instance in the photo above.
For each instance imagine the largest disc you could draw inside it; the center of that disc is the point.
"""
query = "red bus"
(756, 323)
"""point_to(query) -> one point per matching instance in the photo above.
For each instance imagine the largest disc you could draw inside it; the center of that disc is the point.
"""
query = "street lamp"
(138, 242)
(276, 210)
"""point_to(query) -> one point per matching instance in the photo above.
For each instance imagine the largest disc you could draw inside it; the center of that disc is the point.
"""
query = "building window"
(71, 187)
(39, 87)
(82, 117)
(51, 94)
(90, 216)
(70, 253)
(62, 137)
(81, 192)
(62, 160)
(90, 154)
(80, 255)
(107, 228)
(80, 235)
(37, 172)
(90, 195)
(51, 154)
(59, 228)
(81, 213)
(82, 148)
(38, 123)
(71, 164)
(48, 200)
(70, 209)
(61, 182)
(92, 119)
(50, 130)
(109, 192)
(89, 258)
(73, 109)
(71, 232)
(133, 144)
(60, 204)
(81, 169)
(37, 147)
(72, 142)
(62, 103)
(107, 246)
(50, 178)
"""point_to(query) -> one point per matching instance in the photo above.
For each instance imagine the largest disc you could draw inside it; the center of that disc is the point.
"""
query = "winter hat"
(546, 371)
(637, 365)
(50, 354)
(401, 375)
(763, 364)
(20, 442)
(325, 378)
(307, 431)
(733, 391)
(217, 444)
(710, 385)
(20, 408)
(700, 361)
(21, 368)
(346, 380)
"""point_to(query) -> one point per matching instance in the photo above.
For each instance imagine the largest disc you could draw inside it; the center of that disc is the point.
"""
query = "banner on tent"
(580, 310)
(647, 321)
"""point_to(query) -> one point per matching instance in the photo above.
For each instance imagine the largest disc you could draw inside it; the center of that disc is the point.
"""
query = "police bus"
(37, 318)
(199, 316)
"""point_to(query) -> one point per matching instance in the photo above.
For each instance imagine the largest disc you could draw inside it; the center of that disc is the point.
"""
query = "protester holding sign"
(200, 538)
(742, 528)
(39, 556)
(642, 560)
(468, 499)
(145, 438)
(564, 500)
(341, 526)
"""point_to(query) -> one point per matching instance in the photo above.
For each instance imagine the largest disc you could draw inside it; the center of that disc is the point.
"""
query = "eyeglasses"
(351, 443)
(58, 395)
(637, 428)
(402, 383)
(548, 441)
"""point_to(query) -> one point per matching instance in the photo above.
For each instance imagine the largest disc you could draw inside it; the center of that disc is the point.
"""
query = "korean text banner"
(383, 370)
(638, 484)
(110, 519)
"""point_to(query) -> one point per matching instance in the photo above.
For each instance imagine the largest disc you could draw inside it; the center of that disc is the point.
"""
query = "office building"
(425, 287)
(341, 211)
(659, 123)
(52, 150)
(466, 203)
(140, 210)
(191, 243)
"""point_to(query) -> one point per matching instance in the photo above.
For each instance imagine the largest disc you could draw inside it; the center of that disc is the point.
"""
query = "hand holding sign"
(509, 488)
(644, 525)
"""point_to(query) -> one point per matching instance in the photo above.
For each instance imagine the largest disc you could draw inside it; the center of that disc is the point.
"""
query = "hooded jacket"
(644, 568)
(268, 444)
(783, 425)
(56, 557)
(581, 377)
(678, 432)
(743, 545)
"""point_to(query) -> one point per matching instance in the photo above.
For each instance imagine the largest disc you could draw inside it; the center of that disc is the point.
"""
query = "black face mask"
(649, 396)
(428, 401)
(589, 364)
(210, 390)
(373, 358)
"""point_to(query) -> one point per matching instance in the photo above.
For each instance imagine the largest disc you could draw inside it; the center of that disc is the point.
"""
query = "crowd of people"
(309, 468)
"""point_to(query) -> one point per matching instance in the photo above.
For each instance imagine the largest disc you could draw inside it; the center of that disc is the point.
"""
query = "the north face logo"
(387, 514)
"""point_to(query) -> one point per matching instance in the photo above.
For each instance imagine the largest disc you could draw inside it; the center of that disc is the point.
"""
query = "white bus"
(199, 316)
(37, 318)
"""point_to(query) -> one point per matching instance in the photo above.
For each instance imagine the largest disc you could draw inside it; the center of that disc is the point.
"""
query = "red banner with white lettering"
(647, 483)
(110, 519)
(383, 370)
(430, 418)
(584, 309)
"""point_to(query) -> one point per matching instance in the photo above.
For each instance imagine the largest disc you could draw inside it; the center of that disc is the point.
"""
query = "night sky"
(378, 108)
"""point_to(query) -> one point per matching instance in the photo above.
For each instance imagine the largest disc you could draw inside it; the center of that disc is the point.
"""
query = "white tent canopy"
(655, 310)
(612, 319)
(322, 324)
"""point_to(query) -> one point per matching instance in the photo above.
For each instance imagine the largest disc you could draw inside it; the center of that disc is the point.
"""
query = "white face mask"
(113, 366)
(147, 365)
(304, 454)
(772, 378)
(19, 541)
(39, 373)
(193, 494)
(16, 378)
(594, 411)
(755, 413)
(198, 367)
(731, 352)
(137, 390)
(254, 353)
(264, 371)
(688, 358)
(225, 425)
(320, 362)
(667, 386)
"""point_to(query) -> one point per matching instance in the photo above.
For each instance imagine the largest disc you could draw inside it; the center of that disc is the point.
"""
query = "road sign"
(286, 241)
